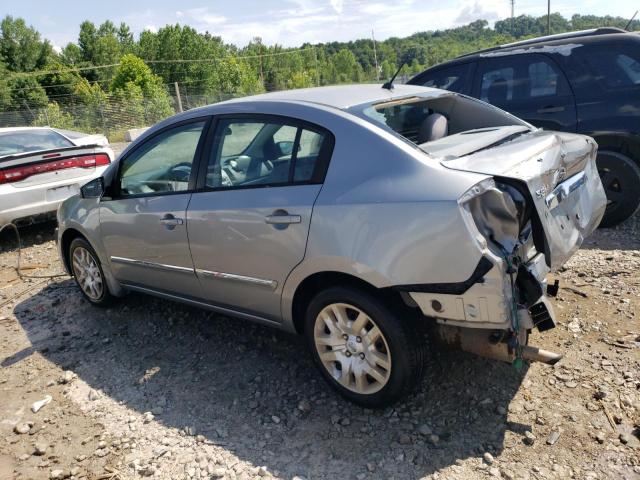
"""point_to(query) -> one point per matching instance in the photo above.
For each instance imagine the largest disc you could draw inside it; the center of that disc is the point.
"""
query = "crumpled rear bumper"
(488, 303)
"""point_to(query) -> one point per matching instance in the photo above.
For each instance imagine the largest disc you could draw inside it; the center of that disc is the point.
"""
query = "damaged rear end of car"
(541, 198)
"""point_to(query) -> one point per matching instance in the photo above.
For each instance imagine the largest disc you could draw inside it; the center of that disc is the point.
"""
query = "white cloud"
(201, 15)
(337, 5)
(487, 10)
(151, 28)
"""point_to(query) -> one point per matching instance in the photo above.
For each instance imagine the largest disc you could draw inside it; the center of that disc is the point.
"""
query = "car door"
(606, 78)
(143, 225)
(248, 226)
(530, 86)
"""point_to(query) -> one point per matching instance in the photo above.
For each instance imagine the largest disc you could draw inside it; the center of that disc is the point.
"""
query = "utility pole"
(175, 84)
(315, 54)
(513, 4)
(375, 55)
(548, 17)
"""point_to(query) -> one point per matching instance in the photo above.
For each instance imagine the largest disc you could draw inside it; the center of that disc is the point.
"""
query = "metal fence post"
(175, 84)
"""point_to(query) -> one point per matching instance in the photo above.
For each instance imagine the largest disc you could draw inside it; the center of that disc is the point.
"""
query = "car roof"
(581, 37)
(341, 96)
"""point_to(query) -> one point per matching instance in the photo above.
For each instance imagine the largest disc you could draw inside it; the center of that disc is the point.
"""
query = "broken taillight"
(16, 174)
(495, 211)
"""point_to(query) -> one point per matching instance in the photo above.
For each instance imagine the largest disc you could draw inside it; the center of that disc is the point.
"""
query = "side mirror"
(284, 148)
(93, 189)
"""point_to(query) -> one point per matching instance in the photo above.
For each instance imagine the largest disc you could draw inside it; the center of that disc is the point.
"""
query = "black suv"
(586, 82)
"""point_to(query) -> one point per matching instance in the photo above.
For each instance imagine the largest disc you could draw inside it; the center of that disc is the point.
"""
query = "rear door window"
(455, 79)
(520, 77)
(257, 152)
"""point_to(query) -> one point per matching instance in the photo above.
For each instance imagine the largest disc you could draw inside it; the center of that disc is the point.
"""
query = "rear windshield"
(424, 120)
(25, 141)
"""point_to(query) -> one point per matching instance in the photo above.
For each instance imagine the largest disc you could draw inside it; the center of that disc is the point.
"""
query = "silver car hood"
(560, 172)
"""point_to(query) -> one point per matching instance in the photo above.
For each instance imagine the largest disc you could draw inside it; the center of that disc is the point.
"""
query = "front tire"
(371, 354)
(88, 273)
(620, 178)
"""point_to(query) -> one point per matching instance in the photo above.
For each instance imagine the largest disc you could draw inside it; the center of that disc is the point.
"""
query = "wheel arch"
(68, 236)
(316, 282)
(627, 144)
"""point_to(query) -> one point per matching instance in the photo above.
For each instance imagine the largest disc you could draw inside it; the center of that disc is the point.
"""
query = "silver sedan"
(354, 215)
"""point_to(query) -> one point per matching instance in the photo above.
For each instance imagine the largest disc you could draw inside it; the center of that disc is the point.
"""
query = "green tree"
(21, 47)
(135, 82)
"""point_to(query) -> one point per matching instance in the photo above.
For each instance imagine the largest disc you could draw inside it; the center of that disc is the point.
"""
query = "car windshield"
(25, 141)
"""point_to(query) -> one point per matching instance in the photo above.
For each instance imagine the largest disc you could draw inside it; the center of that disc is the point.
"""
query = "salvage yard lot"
(154, 388)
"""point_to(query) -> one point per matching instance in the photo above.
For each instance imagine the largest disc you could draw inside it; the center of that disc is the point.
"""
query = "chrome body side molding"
(272, 284)
(143, 263)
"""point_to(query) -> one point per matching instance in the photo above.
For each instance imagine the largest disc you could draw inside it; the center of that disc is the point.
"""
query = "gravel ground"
(154, 388)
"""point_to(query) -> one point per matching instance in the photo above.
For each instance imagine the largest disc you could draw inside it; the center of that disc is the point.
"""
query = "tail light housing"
(497, 211)
(17, 174)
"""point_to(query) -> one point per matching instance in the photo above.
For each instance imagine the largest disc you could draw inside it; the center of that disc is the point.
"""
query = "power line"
(198, 60)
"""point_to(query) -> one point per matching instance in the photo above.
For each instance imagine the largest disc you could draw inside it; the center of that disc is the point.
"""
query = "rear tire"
(87, 271)
(371, 354)
(620, 177)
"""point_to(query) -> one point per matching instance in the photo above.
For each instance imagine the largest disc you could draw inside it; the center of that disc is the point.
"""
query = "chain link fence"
(112, 116)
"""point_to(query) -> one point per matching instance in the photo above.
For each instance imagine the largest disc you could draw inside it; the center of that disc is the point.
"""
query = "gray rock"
(93, 395)
(601, 437)
(304, 406)
(40, 448)
(59, 474)
(147, 471)
(218, 472)
(22, 428)
(488, 458)
(404, 439)
(494, 472)
(529, 438)
(425, 430)
(624, 438)
(434, 439)
(553, 437)
(67, 377)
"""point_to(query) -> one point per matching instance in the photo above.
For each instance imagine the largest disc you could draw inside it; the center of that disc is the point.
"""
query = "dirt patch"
(155, 388)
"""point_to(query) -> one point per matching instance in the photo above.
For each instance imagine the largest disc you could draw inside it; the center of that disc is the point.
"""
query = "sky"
(290, 22)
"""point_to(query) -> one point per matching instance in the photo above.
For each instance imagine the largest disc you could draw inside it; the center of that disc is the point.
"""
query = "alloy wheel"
(352, 348)
(87, 273)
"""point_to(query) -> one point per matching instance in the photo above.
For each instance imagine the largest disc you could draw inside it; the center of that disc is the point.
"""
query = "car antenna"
(389, 84)
(629, 23)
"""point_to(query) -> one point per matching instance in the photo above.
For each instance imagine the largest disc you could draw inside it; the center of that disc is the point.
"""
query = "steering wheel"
(180, 172)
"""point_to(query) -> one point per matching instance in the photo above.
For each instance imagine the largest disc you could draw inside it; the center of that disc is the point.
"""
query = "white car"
(41, 166)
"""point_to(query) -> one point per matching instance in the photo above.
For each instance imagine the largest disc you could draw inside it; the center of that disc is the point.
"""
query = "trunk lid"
(559, 170)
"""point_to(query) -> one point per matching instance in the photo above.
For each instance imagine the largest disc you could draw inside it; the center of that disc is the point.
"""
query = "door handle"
(282, 217)
(170, 221)
(551, 109)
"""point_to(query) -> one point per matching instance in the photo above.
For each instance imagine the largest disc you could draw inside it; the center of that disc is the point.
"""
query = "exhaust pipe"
(478, 342)
(535, 354)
